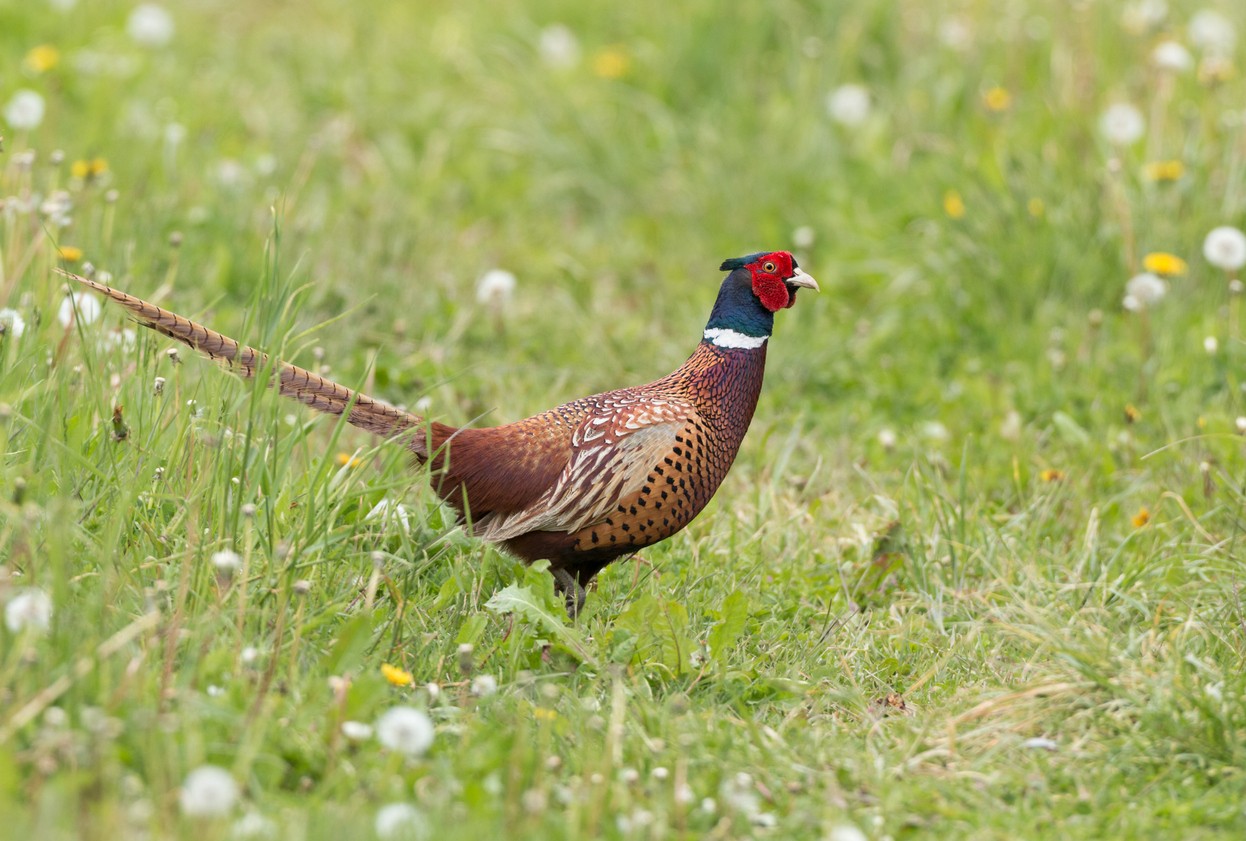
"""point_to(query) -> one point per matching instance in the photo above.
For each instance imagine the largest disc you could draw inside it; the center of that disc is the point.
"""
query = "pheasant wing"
(613, 450)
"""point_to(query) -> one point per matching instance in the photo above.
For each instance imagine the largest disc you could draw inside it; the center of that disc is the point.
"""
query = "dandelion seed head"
(1225, 248)
(24, 111)
(208, 792)
(253, 825)
(29, 608)
(401, 822)
(12, 323)
(1040, 743)
(82, 306)
(390, 511)
(483, 685)
(558, 46)
(849, 105)
(356, 731)
(227, 561)
(150, 25)
(846, 832)
(405, 730)
(1172, 57)
(496, 287)
(1122, 124)
(1144, 291)
(803, 237)
(1212, 32)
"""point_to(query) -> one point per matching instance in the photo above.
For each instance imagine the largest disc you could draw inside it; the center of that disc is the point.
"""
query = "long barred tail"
(302, 385)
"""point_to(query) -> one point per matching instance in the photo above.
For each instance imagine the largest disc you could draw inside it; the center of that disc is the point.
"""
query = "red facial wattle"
(769, 286)
(771, 291)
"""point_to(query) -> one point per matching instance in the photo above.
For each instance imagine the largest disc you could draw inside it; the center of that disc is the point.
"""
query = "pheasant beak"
(803, 280)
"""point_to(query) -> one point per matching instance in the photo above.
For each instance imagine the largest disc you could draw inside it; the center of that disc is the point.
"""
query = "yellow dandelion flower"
(1141, 518)
(348, 460)
(88, 170)
(545, 714)
(1132, 415)
(1163, 170)
(612, 63)
(397, 676)
(69, 253)
(953, 204)
(42, 58)
(1036, 207)
(1051, 475)
(997, 99)
(1162, 263)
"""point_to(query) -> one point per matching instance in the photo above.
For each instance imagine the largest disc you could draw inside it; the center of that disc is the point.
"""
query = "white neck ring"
(728, 338)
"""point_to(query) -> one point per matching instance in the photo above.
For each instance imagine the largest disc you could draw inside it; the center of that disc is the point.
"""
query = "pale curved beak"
(803, 280)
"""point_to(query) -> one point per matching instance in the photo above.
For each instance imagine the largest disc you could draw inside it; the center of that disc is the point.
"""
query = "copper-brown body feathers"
(581, 484)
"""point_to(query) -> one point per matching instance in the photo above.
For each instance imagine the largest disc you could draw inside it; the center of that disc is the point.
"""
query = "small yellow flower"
(88, 170)
(545, 714)
(1162, 263)
(1036, 207)
(42, 58)
(1051, 475)
(953, 204)
(348, 460)
(1132, 415)
(69, 253)
(611, 63)
(997, 99)
(1141, 518)
(1163, 170)
(397, 676)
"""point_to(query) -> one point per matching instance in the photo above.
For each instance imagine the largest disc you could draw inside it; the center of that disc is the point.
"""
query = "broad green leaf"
(723, 636)
(352, 642)
(522, 601)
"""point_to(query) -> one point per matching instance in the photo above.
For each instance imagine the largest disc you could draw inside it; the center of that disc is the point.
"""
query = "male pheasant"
(591, 480)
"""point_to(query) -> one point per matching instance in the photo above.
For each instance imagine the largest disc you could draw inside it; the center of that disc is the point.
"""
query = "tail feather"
(300, 384)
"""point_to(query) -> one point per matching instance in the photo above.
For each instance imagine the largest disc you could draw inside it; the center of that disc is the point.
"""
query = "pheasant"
(589, 481)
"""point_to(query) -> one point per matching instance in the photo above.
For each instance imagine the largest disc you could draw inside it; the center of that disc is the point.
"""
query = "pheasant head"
(756, 287)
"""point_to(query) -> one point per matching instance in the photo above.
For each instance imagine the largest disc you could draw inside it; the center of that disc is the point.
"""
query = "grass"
(1016, 612)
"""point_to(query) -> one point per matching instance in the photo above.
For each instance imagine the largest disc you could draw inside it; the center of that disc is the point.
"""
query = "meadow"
(976, 573)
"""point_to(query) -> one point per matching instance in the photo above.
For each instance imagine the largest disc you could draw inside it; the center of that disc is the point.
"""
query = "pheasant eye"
(768, 267)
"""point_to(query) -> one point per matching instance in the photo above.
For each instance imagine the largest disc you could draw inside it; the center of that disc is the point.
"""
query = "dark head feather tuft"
(739, 262)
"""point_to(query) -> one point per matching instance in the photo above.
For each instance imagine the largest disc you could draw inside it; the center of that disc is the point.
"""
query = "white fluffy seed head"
(405, 730)
(356, 731)
(83, 307)
(24, 112)
(558, 46)
(1144, 291)
(208, 792)
(150, 25)
(1122, 124)
(1212, 32)
(849, 105)
(30, 608)
(12, 322)
(496, 287)
(1225, 248)
(1172, 56)
(401, 822)
(227, 561)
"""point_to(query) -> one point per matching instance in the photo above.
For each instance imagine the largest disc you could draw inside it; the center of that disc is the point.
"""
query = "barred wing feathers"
(613, 450)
